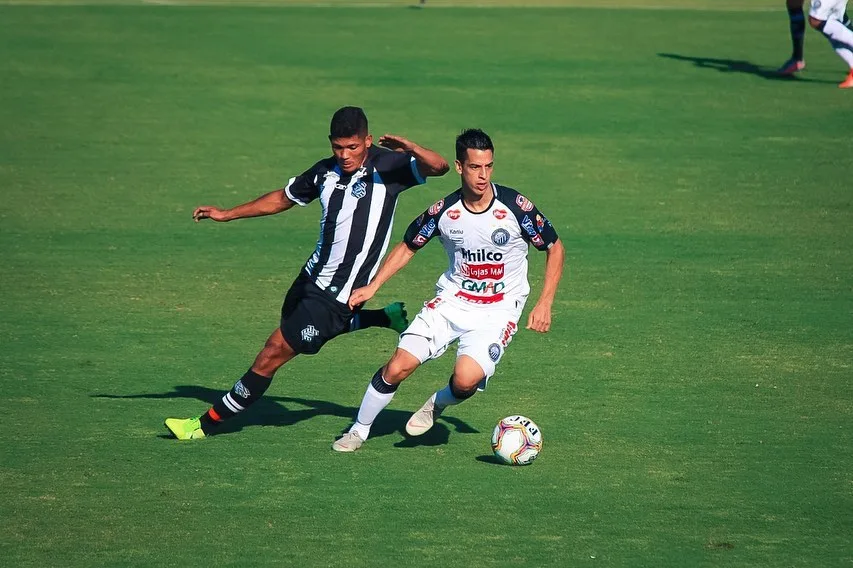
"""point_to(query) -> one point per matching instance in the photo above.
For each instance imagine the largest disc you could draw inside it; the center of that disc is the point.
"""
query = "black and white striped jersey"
(357, 216)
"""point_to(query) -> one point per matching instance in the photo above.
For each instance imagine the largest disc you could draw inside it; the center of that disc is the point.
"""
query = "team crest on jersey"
(524, 203)
(436, 207)
(500, 237)
(359, 189)
(453, 214)
(499, 213)
(494, 352)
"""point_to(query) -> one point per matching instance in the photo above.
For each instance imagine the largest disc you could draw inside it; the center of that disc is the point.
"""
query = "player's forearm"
(393, 263)
(430, 163)
(267, 204)
(553, 272)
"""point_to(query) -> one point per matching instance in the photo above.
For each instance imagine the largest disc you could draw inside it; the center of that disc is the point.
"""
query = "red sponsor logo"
(436, 207)
(540, 222)
(432, 303)
(483, 271)
(479, 299)
(499, 213)
(420, 240)
(508, 332)
(524, 203)
(453, 214)
(537, 240)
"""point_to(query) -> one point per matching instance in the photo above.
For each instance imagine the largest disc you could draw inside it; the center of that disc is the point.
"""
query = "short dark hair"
(348, 121)
(472, 139)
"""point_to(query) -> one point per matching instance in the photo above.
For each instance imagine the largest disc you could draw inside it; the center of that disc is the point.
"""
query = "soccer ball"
(516, 440)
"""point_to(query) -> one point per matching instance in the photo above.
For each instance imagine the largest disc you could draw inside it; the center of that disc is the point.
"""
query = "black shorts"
(310, 317)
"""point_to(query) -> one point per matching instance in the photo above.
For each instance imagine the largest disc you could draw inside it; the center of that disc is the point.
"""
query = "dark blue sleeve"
(425, 227)
(398, 171)
(304, 188)
(535, 227)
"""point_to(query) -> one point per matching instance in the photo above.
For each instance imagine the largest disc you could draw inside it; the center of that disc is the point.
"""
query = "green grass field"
(695, 393)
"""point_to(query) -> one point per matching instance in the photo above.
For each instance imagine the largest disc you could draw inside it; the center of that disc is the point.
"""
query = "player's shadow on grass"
(739, 66)
(274, 411)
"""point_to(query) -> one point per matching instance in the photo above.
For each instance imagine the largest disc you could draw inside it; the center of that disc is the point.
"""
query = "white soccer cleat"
(349, 442)
(422, 420)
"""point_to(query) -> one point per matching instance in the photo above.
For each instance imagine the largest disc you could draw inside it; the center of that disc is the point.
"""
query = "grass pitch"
(694, 394)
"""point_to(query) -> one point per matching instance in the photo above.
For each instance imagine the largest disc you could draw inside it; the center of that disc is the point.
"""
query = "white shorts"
(483, 333)
(825, 10)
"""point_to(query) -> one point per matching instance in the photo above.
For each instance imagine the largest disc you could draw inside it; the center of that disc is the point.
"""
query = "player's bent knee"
(462, 391)
(401, 365)
(816, 24)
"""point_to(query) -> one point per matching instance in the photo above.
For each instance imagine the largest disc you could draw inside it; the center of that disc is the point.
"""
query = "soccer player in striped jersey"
(486, 230)
(357, 187)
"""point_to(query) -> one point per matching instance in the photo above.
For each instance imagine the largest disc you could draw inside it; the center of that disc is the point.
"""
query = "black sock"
(244, 393)
(798, 31)
(370, 318)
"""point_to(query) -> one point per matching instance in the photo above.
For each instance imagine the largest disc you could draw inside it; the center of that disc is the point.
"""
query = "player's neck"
(477, 202)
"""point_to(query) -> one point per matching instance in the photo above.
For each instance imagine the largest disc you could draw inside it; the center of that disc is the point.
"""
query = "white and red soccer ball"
(516, 440)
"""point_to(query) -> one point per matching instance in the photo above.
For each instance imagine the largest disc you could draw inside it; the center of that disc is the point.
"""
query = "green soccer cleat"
(185, 428)
(396, 313)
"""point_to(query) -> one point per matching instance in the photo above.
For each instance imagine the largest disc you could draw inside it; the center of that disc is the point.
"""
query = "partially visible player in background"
(797, 21)
(826, 17)
(358, 187)
(486, 230)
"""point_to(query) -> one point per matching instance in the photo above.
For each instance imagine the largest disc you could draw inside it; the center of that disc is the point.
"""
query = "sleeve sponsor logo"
(453, 214)
(537, 240)
(420, 220)
(428, 229)
(500, 237)
(420, 240)
(524, 203)
(540, 222)
(482, 271)
(528, 226)
(436, 207)
(499, 213)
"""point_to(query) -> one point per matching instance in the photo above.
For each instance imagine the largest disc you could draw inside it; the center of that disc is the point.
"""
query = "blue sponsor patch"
(528, 226)
(500, 237)
(428, 229)
(494, 352)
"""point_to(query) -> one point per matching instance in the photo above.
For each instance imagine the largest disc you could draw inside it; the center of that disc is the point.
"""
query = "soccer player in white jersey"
(826, 16)
(486, 230)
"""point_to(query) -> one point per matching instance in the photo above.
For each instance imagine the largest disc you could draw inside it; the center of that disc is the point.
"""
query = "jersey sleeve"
(398, 171)
(535, 227)
(425, 227)
(304, 188)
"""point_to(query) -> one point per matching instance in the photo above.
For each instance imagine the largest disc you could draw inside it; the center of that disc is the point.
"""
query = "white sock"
(843, 52)
(371, 405)
(835, 30)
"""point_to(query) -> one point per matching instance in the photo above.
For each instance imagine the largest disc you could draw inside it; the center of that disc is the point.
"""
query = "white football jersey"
(486, 251)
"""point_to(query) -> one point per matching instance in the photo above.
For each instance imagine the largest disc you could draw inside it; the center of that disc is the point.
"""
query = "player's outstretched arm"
(429, 163)
(393, 263)
(540, 316)
(267, 204)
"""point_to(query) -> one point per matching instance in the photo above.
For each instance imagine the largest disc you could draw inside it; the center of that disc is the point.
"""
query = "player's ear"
(368, 141)
(458, 167)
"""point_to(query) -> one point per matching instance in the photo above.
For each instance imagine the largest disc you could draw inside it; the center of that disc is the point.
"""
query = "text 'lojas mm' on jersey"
(487, 251)
(357, 215)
